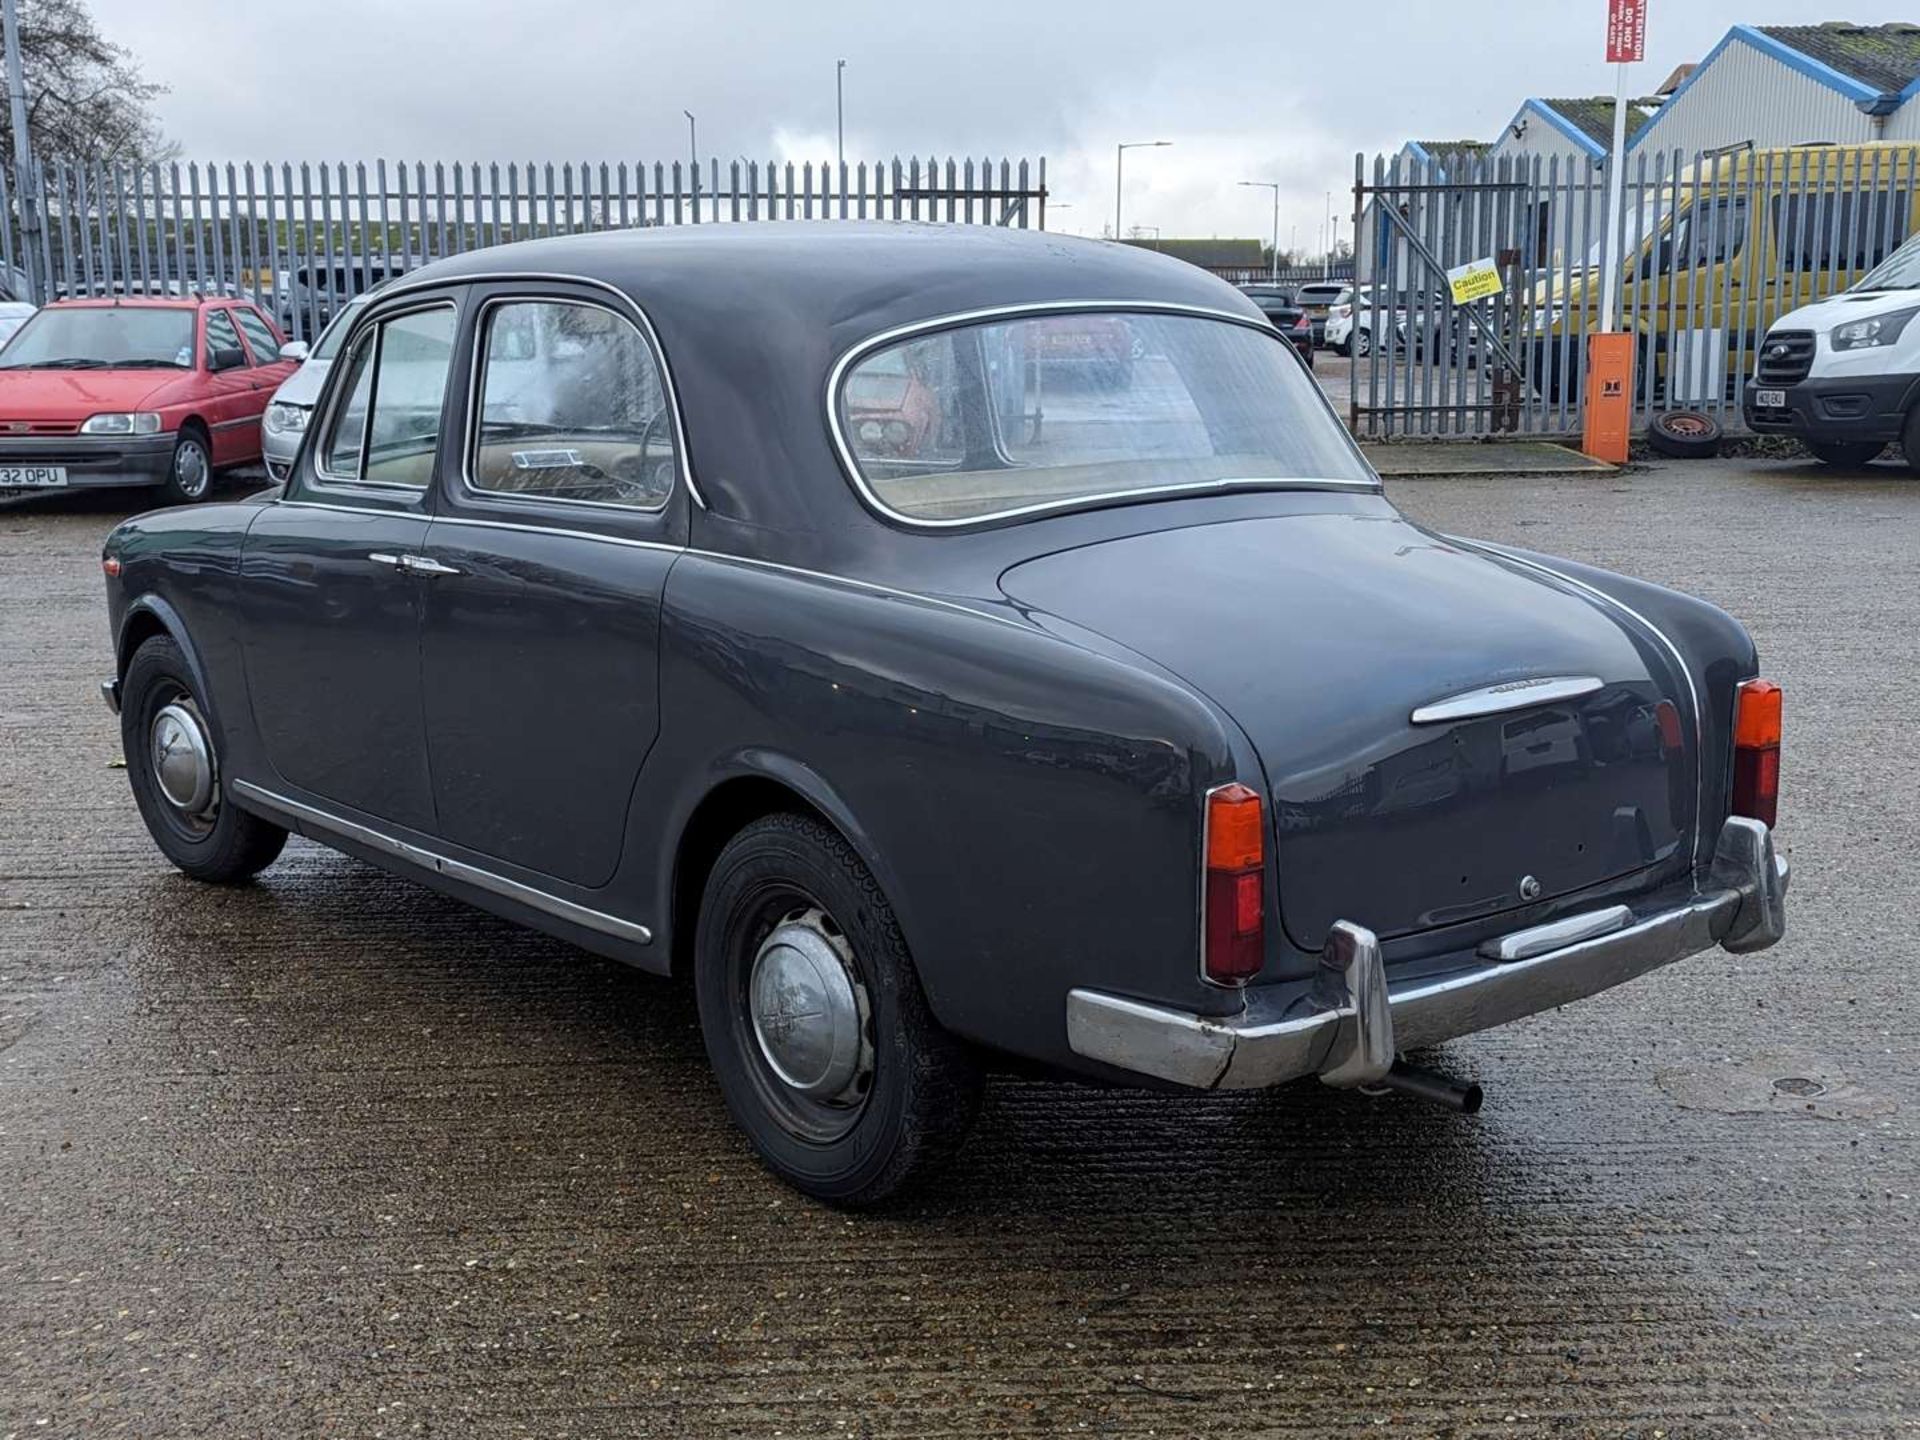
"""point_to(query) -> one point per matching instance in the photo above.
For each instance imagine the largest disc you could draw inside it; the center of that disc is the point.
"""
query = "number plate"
(32, 477)
(1770, 399)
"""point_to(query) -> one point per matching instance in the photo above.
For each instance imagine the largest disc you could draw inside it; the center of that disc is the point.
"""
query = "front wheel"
(1848, 454)
(174, 768)
(190, 473)
(814, 1020)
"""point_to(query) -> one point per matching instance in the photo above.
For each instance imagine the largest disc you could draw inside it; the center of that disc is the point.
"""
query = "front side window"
(386, 428)
(1052, 410)
(571, 408)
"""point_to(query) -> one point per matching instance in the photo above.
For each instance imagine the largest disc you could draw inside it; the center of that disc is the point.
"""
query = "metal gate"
(301, 239)
(1717, 246)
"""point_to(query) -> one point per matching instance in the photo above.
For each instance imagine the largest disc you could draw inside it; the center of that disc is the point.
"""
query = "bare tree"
(86, 97)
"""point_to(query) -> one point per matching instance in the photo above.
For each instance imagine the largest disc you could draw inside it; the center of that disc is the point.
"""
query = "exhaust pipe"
(1427, 1085)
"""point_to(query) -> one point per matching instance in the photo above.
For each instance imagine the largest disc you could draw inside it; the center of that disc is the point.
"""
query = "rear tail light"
(1756, 751)
(1235, 887)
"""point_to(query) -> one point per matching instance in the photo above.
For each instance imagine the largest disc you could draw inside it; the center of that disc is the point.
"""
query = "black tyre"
(1361, 344)
(190, 473)
(174, 767)
(1684, 434)
(1848, 454)
(817, 1028)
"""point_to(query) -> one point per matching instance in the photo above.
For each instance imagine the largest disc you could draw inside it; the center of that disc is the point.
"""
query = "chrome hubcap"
(808, 1011)
(190, 469)
(182, 760)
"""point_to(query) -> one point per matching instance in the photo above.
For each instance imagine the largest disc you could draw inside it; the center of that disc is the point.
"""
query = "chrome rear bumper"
(1349, 1023)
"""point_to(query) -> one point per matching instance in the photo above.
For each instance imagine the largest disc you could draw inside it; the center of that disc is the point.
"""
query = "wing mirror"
(295, 350)
(227, 357)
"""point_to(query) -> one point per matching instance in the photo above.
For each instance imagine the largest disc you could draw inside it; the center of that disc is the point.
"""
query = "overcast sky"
(1282, 92)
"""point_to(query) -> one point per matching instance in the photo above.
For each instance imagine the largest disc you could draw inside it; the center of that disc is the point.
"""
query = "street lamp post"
(840, 111)
(1274, 186)
(1119, 160)
(23, 152)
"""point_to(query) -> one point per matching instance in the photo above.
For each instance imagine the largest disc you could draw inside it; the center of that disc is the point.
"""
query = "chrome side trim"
(604, 539)
(872, 500)
(534, 899)
(1679, 660)
(1508, 695)
(1525, 944)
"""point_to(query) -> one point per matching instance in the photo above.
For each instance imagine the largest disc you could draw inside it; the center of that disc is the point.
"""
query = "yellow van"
(1720, 249)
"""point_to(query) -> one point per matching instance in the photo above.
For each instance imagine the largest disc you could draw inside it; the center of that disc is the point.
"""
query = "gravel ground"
(330, 1155)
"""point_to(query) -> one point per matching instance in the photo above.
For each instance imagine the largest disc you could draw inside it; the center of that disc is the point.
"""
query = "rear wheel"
(825, 1049)
(190, 473)
(1361, 344)
(174, 769)
(1849, 454)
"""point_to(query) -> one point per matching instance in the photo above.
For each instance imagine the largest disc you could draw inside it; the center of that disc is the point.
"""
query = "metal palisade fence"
(302, 239)
(1717, 246)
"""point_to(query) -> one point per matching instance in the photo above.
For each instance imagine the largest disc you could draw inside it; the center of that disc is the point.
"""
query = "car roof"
(141, 302)
(752, 315)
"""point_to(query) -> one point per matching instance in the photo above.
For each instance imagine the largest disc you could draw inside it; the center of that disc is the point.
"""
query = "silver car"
(286, 419)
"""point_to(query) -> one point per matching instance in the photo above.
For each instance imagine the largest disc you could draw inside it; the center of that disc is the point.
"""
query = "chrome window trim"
(531, 896)
(859, 351)
(322, 480)
(471, 441)
(1679, 660)
(561, 277)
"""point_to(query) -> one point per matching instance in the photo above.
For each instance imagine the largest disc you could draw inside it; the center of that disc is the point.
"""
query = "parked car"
(1146, 741)
(1843, 375)
(13, 314)
(314, 292)
(1317, 298)
(135, 392)
(1280, 307)
(285, 420)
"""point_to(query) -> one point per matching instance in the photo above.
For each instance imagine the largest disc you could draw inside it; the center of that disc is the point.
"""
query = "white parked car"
(13, 314)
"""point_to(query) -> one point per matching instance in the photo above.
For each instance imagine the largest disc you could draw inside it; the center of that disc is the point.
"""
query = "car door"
(234, 428)
(548, 556)
(265, 372)
(331, 603)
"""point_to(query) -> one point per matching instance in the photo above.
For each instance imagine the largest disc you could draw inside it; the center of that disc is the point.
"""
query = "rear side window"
(571, 408)
(386, 427)
(260, 339)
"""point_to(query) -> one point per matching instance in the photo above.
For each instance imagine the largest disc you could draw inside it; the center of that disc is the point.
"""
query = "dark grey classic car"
(930, 700)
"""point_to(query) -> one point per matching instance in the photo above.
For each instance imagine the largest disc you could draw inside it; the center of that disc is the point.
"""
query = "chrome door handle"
(397, 562)
(425, 565)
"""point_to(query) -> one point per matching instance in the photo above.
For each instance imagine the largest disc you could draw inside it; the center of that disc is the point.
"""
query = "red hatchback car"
(156, 392)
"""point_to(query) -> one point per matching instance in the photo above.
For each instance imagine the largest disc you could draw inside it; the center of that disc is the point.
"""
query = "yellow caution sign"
(1474, 280)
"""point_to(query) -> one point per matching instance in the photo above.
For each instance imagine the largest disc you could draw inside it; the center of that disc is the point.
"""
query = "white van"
(1843, 375)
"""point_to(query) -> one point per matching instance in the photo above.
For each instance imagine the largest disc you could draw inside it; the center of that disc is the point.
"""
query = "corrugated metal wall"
(1744, 95)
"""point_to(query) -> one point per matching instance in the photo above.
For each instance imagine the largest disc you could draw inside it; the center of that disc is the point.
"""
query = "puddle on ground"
(1786, 1082)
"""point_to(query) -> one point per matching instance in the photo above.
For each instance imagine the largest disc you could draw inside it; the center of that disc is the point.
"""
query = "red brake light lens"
(110, 564)
(1235, 939)
(1756, 751)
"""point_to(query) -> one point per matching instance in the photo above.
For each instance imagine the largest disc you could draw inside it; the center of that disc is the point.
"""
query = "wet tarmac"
(331, 1155)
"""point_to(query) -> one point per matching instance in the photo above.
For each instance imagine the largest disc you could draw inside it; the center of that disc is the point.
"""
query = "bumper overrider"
(92, 460)
(1351, 1020)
